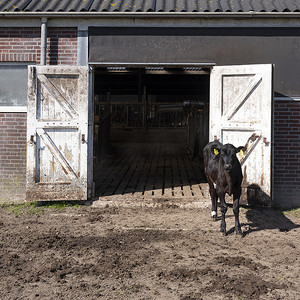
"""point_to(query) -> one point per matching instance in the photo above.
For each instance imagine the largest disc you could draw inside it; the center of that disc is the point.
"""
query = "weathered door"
(57, 133)
(240, 114)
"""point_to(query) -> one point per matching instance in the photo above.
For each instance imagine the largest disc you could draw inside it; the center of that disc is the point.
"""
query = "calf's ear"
(241, 148)
(215, 150)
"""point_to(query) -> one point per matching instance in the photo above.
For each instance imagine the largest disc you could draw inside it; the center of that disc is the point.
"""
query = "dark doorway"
(150, 126)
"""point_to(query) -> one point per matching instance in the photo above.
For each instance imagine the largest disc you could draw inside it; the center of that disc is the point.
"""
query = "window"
(13, 84)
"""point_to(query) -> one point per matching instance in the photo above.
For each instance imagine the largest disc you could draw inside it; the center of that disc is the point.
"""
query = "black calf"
(224, 175)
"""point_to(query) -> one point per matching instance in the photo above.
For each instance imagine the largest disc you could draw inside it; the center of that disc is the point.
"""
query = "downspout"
(82, 46)
(43, 42)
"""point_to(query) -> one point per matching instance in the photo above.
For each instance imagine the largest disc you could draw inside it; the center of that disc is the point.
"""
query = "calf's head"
(228, 155)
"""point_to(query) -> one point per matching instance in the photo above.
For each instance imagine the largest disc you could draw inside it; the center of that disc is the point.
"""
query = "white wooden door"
(241, 113)
(57, 133)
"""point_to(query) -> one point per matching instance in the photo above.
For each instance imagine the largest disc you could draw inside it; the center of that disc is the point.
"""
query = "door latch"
(31, 141)
(266, 142)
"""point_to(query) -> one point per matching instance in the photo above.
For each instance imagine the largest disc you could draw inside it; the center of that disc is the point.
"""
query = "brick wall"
(286, 153)
(23, 45)
(62, 46)
(12, 156)
(20, 44)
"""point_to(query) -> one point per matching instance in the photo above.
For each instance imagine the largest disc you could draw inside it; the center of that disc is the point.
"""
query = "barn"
(117, 98)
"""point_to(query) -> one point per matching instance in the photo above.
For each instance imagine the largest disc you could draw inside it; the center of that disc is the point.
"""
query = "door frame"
(90, 162)
(209, 66)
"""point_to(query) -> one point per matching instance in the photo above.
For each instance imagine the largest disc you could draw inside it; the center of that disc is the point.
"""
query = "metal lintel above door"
(144, 65)
(154, 68)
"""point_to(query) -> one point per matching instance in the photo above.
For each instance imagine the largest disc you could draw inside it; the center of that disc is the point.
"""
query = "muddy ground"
(147, 253)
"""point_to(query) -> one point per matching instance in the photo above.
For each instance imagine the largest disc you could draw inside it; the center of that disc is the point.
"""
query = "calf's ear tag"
(241, 153)
(216, 152)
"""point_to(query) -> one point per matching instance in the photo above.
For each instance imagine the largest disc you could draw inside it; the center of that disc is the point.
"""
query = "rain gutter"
(151, 14)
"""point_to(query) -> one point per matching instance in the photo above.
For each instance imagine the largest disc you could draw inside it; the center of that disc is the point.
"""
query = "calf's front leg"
(214, 199)
(236, 210)
(221, 195)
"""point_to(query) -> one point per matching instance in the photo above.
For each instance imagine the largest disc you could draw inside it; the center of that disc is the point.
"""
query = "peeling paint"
(68, 153)
(56, 114)
(52, 167)
(252, 194)
(249, 146)
(241, 110)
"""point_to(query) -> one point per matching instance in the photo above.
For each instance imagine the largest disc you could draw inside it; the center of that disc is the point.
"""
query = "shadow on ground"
(260, 219)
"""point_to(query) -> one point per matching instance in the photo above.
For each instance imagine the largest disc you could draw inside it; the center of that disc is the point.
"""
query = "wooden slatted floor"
(149, 170)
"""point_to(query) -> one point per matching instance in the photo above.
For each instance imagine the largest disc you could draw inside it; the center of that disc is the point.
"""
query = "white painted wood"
(57, 134)
(241, 107)
(13, 109)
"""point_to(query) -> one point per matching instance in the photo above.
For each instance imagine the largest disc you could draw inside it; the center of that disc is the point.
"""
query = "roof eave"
(150, 14)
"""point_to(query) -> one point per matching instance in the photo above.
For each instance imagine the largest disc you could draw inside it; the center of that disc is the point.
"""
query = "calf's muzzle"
(227, 167)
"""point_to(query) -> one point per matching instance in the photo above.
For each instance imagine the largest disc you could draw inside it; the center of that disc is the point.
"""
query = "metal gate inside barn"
(149, 124)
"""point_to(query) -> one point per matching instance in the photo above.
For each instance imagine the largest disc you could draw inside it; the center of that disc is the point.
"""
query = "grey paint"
(12, 76)
(223, 46)
(82, 46)
(43, 41)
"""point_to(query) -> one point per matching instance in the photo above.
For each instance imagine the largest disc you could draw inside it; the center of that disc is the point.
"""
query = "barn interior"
(150, 126)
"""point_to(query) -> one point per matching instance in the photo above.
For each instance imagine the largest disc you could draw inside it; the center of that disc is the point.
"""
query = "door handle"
(83, 138)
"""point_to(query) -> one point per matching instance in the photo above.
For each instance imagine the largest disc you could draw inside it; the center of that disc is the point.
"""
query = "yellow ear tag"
(216, 152)
(241, 153)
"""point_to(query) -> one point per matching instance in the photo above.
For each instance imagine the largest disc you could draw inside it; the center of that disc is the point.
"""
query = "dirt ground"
(147, 253)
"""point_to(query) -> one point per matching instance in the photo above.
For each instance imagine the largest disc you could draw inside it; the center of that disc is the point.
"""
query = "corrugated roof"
(150, 5)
